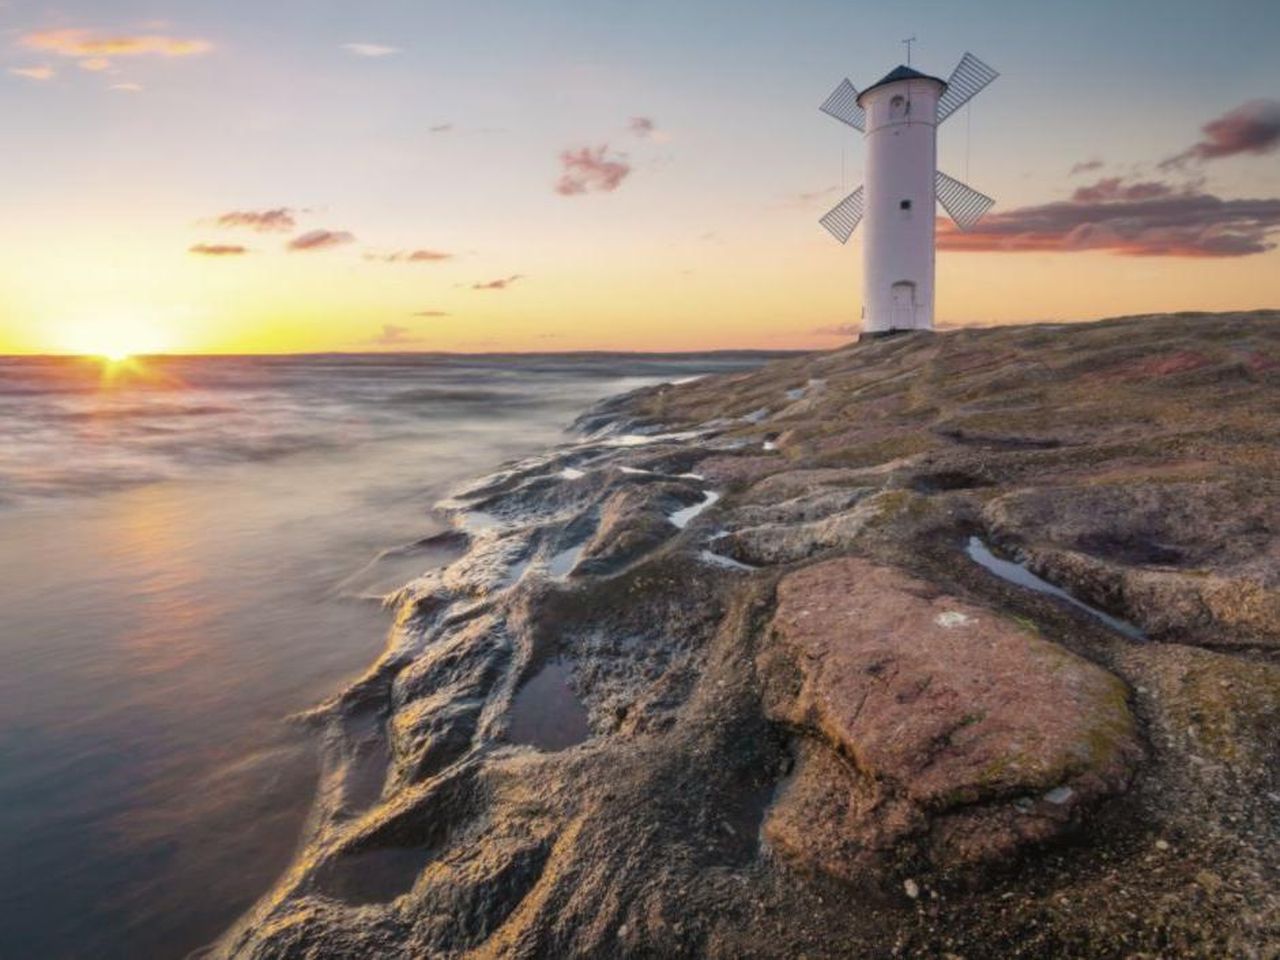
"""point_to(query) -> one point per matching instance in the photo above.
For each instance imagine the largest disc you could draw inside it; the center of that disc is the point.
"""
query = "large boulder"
(928, 718)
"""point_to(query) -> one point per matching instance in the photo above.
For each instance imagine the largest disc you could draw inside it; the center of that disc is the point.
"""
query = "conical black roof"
(901, 72)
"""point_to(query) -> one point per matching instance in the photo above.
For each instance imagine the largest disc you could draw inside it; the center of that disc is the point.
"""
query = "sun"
(113, 337)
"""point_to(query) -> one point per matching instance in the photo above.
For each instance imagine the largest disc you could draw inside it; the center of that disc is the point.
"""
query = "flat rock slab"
(933, 718)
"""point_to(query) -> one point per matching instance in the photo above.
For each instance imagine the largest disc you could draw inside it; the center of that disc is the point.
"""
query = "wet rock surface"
(718, 678)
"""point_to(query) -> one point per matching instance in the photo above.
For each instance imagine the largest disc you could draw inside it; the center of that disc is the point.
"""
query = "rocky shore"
(944, 645)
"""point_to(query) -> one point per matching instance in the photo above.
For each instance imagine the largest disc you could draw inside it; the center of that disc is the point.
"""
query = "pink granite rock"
(933, 719)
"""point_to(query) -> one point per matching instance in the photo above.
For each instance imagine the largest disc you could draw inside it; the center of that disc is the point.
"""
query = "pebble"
(1162, 845)
(911, 888)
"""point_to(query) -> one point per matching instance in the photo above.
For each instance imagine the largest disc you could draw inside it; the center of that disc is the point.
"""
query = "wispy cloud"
(320, 240)
(587, 170)
(370, 49)
(88, 43)
(126, 87)
(218, 250)
(441, 128)
(278, 220)
(1150, 219)
(95, 64)
(500, 284)
(395, 335)
(646, 128)
(1086, 166)
(1114, 188)
(410, 256)
(34, 73)
(1252, 127)
(431, 313)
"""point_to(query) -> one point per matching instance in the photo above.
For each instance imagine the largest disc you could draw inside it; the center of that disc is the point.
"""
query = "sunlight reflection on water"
(154, 634)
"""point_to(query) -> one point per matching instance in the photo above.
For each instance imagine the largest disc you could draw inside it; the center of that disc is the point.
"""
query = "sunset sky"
(311, 175)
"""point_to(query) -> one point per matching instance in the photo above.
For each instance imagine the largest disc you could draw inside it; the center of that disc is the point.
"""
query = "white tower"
(900, 116)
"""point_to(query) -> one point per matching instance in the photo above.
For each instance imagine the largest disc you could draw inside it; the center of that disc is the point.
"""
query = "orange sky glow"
(233, 179)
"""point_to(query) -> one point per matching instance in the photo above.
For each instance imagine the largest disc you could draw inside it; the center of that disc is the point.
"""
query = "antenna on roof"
(909, 41)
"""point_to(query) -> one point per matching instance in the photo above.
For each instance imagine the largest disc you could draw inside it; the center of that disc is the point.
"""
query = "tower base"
(885, 334)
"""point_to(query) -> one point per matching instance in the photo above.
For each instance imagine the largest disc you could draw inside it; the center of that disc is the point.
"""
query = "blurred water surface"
(187, 551)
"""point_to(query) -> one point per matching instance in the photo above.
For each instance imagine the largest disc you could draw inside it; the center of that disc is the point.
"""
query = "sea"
(193, 549)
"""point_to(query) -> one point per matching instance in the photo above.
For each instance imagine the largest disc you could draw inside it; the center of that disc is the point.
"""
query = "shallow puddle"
(373, 876)
(546, 714)
(1016, 573)
(682, 518)
(564, 561)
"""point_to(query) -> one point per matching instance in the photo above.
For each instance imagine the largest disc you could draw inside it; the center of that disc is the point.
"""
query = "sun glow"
(114, 338)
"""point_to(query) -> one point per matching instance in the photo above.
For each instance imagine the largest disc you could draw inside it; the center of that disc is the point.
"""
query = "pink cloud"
(1114, 188)
(1140, 220)
(218, 250)
(410, 256)
(320, 240)
(500, 284)
(589, 170)
(1252, 127)
(264, 221)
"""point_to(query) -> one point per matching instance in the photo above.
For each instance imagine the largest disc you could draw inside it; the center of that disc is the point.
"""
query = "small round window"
(897, 106)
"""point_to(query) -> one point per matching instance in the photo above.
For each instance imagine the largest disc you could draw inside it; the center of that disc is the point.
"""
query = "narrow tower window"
(904, 204)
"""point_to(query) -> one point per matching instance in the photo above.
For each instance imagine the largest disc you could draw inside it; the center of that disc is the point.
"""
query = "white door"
(903, 295)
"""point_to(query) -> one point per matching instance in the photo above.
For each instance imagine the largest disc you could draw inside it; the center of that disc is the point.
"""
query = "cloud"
(320, 240)
(441, 128)
(410, 256)
(218, 250)
(394, 335)
(647, 129)
(370, 49)
(279, 220)
(1114, 188)
(1136, 220)
(86, 43)
(500, 284)
(431, 313)
(586, 170)
(1086, 166)
(95, 64)
(126, 87)
(1252, 127)
(33, 73)
(842, 330)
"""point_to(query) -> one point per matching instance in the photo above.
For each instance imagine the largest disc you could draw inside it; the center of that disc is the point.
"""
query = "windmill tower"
(899, 116)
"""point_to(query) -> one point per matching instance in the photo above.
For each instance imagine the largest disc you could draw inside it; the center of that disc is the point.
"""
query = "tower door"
(903, 300)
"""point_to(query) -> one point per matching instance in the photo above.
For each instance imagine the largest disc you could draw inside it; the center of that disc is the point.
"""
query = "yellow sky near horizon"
(615, 180)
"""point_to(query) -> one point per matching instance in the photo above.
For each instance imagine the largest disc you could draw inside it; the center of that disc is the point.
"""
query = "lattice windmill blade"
(964, 204)
(843, 105)
(969, 77)
(842, 219)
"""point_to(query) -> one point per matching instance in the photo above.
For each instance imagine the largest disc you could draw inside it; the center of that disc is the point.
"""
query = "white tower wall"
(898, 243)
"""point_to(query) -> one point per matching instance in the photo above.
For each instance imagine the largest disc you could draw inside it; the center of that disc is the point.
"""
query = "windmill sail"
(969, 76)
(843, 105)
(965, 205)
(842, 219)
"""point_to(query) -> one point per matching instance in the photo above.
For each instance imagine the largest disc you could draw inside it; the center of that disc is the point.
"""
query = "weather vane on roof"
(899, 116)
(908, 42)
